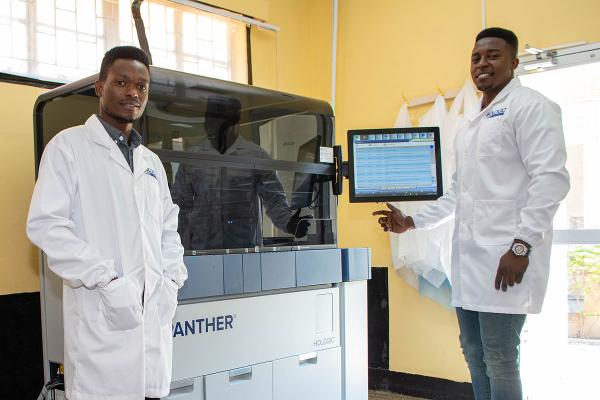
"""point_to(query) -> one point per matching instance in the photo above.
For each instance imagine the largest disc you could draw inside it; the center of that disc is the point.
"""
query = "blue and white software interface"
(395, 164)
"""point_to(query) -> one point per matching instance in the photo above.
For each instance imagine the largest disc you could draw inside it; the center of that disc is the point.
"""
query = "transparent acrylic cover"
(242, 162)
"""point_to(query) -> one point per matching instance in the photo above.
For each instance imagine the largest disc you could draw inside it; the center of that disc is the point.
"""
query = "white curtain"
(422, 258)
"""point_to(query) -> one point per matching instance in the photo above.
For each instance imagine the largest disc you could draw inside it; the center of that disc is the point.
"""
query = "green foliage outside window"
(584, 269)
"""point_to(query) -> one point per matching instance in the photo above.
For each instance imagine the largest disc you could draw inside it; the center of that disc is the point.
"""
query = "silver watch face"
(519, 249)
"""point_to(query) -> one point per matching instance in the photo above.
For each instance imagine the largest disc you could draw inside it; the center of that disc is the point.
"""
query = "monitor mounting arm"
(341, 170)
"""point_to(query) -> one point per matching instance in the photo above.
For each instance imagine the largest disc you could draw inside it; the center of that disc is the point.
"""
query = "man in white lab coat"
(510, 177)
(102, 213)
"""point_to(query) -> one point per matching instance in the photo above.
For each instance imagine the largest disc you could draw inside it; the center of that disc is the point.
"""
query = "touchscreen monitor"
(398, 164)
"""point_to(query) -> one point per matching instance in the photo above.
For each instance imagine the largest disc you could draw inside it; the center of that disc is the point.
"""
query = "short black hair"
(122, 52)
(501, 33)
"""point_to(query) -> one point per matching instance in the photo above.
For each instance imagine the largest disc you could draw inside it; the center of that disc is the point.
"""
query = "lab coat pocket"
(489, 138)
(153, 199)
(167, 303)
(122, 305)
(494, 222)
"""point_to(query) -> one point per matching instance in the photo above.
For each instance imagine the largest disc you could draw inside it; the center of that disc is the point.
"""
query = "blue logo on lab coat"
(151, 172)
(495, 113)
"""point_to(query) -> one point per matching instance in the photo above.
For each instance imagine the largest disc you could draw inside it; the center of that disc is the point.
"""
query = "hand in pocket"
(167, 303)
(122, 305)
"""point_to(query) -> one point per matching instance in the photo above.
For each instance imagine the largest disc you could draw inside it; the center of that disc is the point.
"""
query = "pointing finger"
(393, 208)
(382, 212)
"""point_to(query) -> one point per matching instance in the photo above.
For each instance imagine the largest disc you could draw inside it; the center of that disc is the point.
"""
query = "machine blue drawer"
(315, 267)
(356, 264)
(278, 270)
(252, 272)
(205, 277)
(233, 274)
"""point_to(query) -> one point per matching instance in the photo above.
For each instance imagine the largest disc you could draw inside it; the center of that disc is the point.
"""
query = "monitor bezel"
(379, 199)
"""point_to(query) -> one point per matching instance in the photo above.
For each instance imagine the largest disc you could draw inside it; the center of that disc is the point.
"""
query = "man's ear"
(515, 63)
(99, 85)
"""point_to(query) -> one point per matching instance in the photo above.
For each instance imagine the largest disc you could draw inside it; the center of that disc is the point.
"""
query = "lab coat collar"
(512, 85)
(98, 135)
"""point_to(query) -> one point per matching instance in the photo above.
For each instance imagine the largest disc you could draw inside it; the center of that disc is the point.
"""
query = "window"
(64, 40)
(570, 320)
(577, 90)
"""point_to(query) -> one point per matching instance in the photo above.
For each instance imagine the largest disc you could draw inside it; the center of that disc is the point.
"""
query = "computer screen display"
(398, 164)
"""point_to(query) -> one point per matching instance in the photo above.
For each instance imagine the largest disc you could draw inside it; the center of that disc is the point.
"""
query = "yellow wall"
(298, 58)
(18, 258)
(387, 48)
(258, 9)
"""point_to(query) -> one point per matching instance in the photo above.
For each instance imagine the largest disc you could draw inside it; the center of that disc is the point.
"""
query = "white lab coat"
(95, 219)
(509, 180)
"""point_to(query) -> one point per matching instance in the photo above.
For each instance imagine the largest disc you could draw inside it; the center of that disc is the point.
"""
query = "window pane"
(19, 9)
(49, 30)
(4, 9)
(87, 55)
(221, 49)
(13, 65)
(65, 19)
(46, 48)
(205, 28)
(189, 27)
(170, 20)
(5, 33)
(577, 91)
(221, 72)
(66, 4)
(205, 68)
(19, 40)
(67, 55)
(45, 11)
(125, 22)
(158, 25)
(86, 16)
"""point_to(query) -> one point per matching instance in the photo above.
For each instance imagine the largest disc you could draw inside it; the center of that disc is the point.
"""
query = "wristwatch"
(520, 249)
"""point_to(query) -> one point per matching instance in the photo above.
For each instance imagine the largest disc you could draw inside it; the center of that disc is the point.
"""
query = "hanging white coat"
(96, 219)
(510, 177)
